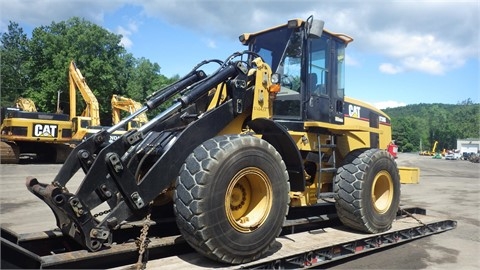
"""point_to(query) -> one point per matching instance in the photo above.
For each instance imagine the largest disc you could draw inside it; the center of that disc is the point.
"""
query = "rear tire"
(367, 190)
(231, 198)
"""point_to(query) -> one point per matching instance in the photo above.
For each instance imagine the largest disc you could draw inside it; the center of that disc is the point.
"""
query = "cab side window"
(317, 68)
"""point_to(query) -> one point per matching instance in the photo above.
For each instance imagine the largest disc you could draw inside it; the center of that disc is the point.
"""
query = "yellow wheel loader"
(268, 134)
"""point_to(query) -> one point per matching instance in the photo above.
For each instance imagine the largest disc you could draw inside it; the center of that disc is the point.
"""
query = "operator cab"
(310, 62)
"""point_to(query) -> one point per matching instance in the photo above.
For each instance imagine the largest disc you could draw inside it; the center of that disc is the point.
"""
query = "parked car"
(466, 155)
(452, 156)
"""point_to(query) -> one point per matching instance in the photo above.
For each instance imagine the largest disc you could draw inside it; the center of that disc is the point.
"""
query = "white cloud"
(423, 36)
(133, 26)
(388, 104)
(37, 13)
(424, 53)
(126, 41)
(210, 43)
(390, 68)
(427, 64)
(431, 37)
(350, 60)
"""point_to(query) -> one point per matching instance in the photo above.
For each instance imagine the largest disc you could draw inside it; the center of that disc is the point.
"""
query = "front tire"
(231, 198)
(367, 190)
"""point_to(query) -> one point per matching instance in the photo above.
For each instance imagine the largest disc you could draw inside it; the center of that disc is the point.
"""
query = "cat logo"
(45, 130)
(354, 111)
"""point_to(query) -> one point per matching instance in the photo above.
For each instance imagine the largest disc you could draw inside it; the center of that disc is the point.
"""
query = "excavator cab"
(310, 62)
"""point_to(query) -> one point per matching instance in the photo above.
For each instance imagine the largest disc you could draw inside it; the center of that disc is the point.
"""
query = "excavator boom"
(77, 81)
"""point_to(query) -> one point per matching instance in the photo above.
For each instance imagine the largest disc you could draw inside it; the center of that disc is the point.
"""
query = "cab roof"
(244, 38)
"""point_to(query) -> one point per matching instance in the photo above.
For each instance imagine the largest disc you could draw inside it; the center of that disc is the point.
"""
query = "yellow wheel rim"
(382, 192)
(248, 199)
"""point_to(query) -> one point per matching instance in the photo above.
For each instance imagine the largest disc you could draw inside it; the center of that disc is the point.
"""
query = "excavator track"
(62, 151)
(9, 153)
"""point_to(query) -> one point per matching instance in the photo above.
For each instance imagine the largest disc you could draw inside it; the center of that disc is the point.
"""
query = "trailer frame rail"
(304, 243)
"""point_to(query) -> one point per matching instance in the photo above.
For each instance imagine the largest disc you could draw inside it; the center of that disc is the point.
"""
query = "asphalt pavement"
(447, 188)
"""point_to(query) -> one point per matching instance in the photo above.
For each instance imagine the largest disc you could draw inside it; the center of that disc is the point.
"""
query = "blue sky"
(404, 52)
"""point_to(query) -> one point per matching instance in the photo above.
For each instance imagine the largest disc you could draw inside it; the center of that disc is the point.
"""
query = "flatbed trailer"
(304, 243)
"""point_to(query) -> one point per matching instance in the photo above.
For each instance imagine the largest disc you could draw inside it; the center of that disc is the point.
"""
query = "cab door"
(324, 81)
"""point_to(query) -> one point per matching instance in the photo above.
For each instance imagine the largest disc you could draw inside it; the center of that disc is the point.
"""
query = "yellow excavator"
(90, 116)
(49, 137)
(26, 104)
(428, 153)
(88, 122)
(29, 134)
(123, 104)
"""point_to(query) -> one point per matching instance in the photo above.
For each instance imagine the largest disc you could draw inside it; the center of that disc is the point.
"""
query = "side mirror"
(316, 29)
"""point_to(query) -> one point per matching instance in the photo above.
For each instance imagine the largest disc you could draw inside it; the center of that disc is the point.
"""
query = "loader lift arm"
(113, 161)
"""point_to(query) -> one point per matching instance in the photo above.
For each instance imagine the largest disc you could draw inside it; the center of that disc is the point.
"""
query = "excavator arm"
(434, 147)
(77, 81)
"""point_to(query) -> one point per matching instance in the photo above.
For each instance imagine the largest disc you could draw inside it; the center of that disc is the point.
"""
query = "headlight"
(275, 78)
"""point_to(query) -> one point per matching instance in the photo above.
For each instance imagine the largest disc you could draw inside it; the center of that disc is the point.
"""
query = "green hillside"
(423, 124)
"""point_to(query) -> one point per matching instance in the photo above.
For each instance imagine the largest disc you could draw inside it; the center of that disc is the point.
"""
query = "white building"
(468, 145)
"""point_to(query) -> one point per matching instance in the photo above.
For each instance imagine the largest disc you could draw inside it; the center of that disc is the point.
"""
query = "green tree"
(96, 52)
(38, 68)
(406, 132)
(144, 80)
(14, 56)
(427, 123)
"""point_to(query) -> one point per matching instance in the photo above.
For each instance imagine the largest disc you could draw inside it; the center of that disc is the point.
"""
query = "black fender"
(279, 138)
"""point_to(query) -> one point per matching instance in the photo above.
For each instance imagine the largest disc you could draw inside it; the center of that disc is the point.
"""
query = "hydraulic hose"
(198, 91)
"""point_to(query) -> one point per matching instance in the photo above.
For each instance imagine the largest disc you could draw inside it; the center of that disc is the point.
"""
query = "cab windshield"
(271, 45)
(282, 49)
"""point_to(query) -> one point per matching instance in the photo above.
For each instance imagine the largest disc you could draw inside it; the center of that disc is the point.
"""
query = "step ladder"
(332, 166)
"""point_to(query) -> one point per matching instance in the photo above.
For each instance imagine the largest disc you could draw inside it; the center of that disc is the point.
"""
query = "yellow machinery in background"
(28, 134)
(88, 122)
(430, 153)
(26, 104)
(123, 104)
(49, 137)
